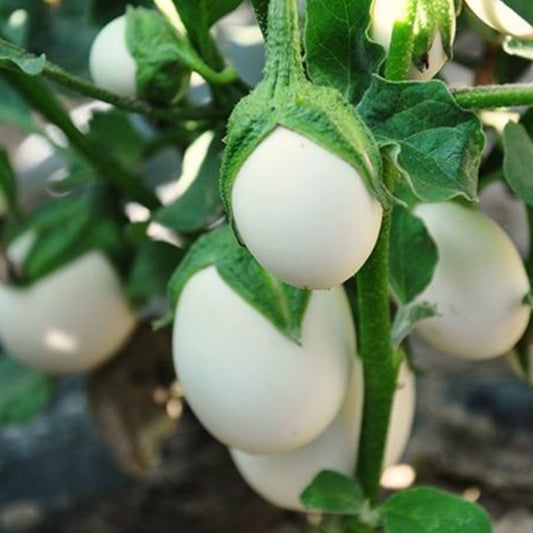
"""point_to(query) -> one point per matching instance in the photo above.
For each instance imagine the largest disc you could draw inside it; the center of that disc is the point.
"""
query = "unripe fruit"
(111, 64)
(501, 17)
(251, 386)
(384, 16)
(280, 479)
(478, 285)
(304, 213)
(70, 321)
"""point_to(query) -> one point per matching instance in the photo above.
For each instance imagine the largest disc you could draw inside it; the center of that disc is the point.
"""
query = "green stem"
(376, 350)
(402, 43)
(284, 62)
(490, 96)
(80, 86)
(44, 101)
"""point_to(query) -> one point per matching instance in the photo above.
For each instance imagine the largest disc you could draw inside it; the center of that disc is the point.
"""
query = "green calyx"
(432, 16)
(282, 305)
(286, 98)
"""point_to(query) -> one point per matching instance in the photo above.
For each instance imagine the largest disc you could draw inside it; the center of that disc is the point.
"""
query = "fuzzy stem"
(284, 63)
(402, 43)
(43, 100)
(491, 96)
(377, 353)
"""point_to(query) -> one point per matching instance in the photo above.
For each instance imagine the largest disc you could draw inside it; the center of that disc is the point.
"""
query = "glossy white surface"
(304, 213)
(251, 386)
(70, 321)
(502, 18)
(478, 284)
(280, 479)
(111, 64)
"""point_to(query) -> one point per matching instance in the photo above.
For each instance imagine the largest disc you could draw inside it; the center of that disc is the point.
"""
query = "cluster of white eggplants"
(309, 218)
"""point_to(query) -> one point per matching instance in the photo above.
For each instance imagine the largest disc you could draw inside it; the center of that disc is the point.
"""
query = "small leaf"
(518, 161)
(407, 317)
(528, 299)
(518, 47)
(523, 7)
(151, 269)
(23, 392)
(162, 75)
(334, 493)
(436, 144)
(413, 255)
(201, 204)
(338, 52)
(14, 57)
(284, 306)
(428, 510)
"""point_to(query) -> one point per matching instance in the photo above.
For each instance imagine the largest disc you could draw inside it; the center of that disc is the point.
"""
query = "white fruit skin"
(304, 213)
(71, 321)
(384, 16)
(478, 284)
(280, 479)
(502, 18)
(249, 385)
(111, 64)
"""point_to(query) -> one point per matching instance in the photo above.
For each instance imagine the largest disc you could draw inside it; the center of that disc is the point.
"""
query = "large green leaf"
(413, 255)
(23, 392)
(518, 161)
(338, 53)
(436, 144)
(428, 510)
(523, 7)
(284, 306)
(334, 493)
(200, 205)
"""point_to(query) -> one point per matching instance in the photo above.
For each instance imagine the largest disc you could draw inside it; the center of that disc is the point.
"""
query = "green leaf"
(14, 110)
(518, 47)
(338, 53)
(201, 204)
(114, 129)
(23, 392)
(69, 227)
(436, 144)
(334, 493)
(8, 182)
(407, 317)
(528, 299)
(152, 268)
(413, 255)
(161, 56)
(103, 11)
(428, 510)
(523, 7)
(284, 306)
(12, 56)
(261, 13)
(518, 161)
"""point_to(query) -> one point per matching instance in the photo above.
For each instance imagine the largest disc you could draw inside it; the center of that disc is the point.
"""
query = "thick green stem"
(376, 350)
(402, 43)
(490, 96)
(43, 100)
(284, 62)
